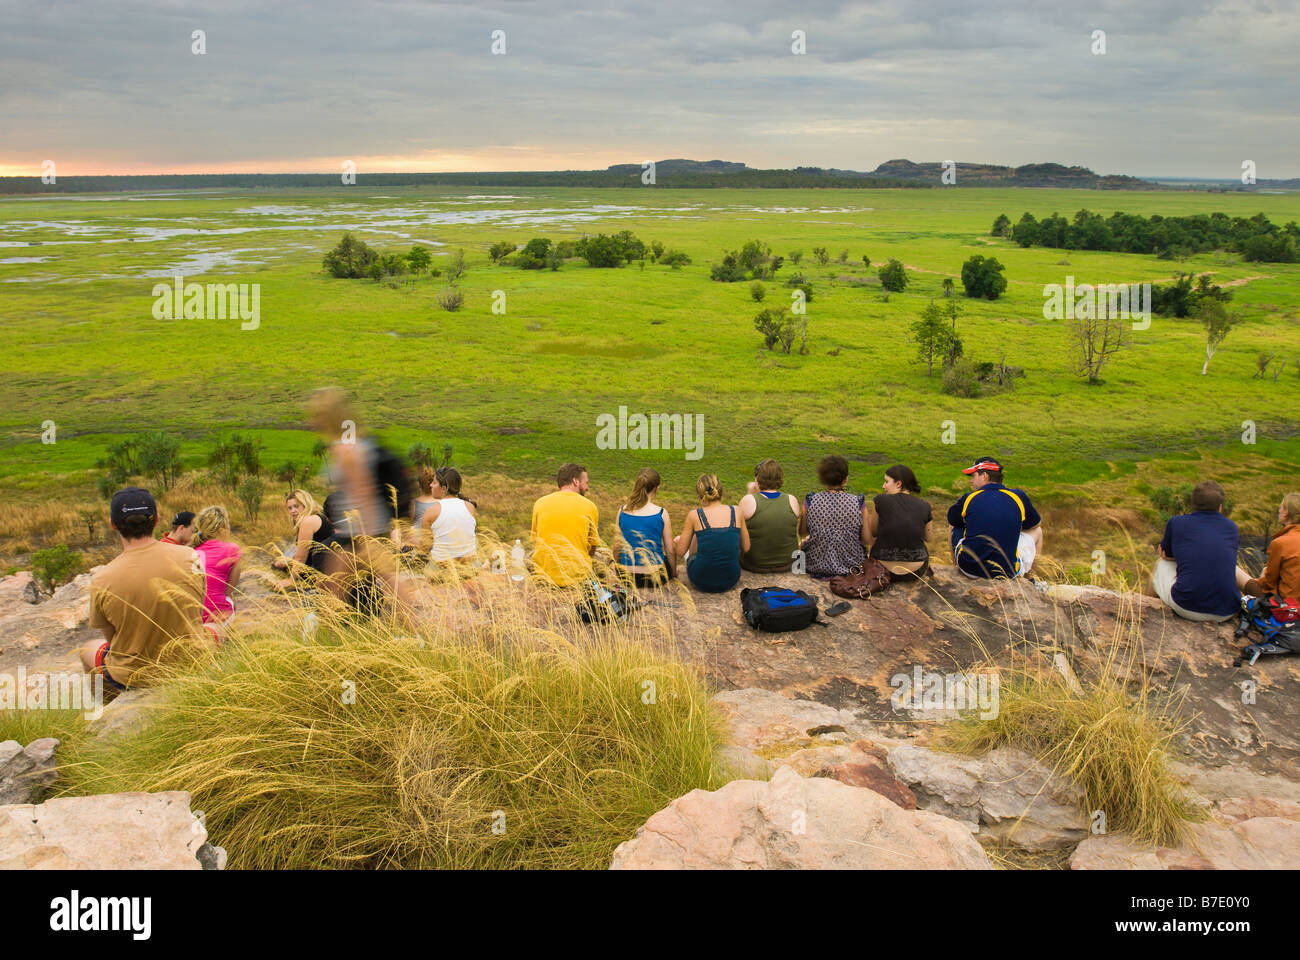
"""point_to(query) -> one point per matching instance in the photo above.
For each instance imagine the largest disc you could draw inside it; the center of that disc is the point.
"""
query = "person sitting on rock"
(565, 529)
(719, 535)
(1197, 574)
(452, 519)
(996, 532)
(150, 595)
(900, 527)
(221, 562)
(182, 529)
(1282, 575)
(312, 532)
(644, 535)
(834, 523)
(772, 519)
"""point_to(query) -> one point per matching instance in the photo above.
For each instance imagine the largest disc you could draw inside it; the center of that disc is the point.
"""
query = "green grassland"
(519, 393)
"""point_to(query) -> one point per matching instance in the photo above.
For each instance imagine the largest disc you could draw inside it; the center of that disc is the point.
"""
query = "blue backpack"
(1271, 625)
(776, 609)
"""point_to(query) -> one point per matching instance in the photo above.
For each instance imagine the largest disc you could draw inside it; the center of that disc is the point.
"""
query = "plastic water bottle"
(517, 562)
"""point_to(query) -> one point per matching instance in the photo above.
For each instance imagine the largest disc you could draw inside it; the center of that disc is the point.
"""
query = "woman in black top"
(900, 526)
(312, 530)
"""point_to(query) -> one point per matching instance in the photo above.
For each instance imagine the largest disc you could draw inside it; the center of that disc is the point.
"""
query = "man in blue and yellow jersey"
(996, 532)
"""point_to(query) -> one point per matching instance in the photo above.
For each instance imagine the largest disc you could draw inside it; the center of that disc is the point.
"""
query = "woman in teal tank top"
(718, 534)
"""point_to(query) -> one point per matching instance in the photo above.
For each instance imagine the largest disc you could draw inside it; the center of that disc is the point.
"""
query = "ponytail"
(647, 482)
(449, 478)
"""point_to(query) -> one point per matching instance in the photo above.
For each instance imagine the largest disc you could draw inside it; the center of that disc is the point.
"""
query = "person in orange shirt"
(565, 529)
(1282, 575)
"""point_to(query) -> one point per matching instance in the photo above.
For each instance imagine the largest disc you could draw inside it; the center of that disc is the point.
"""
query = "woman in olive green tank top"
(772, 519)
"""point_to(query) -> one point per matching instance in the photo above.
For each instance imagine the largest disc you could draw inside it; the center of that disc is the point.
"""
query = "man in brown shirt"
(151, 594)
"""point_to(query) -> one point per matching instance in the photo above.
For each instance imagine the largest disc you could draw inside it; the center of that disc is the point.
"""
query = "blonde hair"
(331, 409)
(708, 488)
(647, 482)
(210, 523)
(307, 502)
(1291, 504)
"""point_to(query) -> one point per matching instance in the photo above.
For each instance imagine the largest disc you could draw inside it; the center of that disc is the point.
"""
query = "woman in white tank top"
(450, 519)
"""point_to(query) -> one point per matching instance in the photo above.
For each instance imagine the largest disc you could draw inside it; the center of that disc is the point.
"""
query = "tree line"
(1254, 238)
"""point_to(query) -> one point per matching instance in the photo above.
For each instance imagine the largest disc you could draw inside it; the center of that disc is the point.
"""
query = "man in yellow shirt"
(565, 529)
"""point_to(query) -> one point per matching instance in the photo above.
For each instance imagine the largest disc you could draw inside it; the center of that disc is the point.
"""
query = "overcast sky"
(1185, 88)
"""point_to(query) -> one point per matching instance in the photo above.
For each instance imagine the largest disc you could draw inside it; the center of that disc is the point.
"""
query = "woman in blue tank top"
(645, 534)
(719, 535)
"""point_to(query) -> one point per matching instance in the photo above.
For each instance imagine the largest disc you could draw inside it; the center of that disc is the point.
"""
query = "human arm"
(670, 555)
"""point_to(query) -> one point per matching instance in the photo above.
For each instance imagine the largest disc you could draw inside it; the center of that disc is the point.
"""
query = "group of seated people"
(996, 532)
(181, 584)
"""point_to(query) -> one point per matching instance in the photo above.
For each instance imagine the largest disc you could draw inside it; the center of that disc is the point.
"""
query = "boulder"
(44, 637)
(26, 771)
(1005, 795)
(113, 831)
(125, 714)
(790, 822)
(13, 591)
(1257, 843)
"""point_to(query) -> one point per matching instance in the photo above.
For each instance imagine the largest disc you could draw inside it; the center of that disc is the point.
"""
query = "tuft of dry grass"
(501, 733)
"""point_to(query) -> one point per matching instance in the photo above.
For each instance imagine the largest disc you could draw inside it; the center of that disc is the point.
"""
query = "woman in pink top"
(221, 562)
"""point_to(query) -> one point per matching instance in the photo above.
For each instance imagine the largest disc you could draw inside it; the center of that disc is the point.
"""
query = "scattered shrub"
(351, 259)
(893, 276)
(451, 300)
(54, 566)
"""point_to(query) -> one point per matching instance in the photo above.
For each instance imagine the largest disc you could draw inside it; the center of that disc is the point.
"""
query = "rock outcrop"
(115, 831)
(26, 771)
(1005, 795)
(1253, 843)
(790, 822)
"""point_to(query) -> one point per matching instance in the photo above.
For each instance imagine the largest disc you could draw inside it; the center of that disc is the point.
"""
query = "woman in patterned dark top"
(833, 523)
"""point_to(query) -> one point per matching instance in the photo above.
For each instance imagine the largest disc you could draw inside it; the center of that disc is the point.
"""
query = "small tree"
(55, 566)
(351, 259)
(418, 259)
(796, 256)
(250, 494)
(893, 276)
(456, 266)
(935, 337)
(1262, 362)
(866, 261)
(947, 286)
(843, 257)
(1218, 323)
(91, 519)
(1001, 226)
(1095, 340)
(500, 250)
(160, 459)
(822, 256)
(757, 291)
(656, 249)
(982, 277)
(674, 258)
(534, 254)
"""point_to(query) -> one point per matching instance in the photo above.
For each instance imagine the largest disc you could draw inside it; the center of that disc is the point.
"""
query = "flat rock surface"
(115, 831)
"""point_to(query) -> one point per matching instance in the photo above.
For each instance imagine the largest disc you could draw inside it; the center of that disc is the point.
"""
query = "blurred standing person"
(365, 520)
